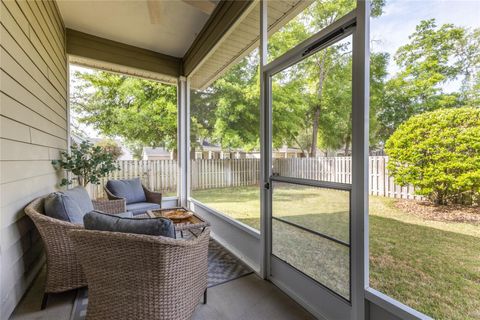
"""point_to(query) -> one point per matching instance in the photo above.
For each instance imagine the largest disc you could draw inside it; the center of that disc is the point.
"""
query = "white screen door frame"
(318, 299)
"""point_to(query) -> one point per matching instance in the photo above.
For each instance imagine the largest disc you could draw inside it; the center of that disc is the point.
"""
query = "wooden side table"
(188, 224)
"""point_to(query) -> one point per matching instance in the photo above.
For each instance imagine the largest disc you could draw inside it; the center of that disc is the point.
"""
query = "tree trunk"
(322, 74)
(81, 181)
(347, 145)
(316, 121)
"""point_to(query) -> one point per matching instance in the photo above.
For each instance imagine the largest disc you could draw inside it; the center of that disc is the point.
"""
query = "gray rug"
(222, 267)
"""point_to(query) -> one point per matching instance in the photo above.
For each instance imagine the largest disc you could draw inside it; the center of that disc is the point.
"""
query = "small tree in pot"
(87, 162)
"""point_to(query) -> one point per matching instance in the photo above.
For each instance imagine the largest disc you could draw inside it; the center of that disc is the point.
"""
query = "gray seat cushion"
(130, 189)
(70, 205)
(142, 207)
(97, 220)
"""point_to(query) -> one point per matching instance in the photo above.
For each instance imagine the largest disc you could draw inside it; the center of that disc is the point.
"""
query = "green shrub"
(438, 153)
(110, 146)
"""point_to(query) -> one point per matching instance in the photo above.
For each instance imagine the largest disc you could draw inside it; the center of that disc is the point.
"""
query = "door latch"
(267, 186)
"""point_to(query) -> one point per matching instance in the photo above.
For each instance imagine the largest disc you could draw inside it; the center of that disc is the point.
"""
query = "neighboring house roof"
(155, 152)
(207, 146)
(78, 139)
(288, 149)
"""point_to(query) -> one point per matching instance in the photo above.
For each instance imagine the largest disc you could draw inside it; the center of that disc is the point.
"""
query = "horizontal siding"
(12, 171)
(15, 71)
(33, 131)
(13, 201)
(30, 66)
(14, 150)
(22, 114)
(13, 130)
(14, 20)
(12, 88)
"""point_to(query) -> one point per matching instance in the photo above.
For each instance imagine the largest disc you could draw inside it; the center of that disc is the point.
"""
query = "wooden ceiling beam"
(100, 49)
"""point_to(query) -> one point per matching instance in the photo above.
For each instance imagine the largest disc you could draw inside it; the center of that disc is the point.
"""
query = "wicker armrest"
(64, 271)
(110, 206)
(152, 196)
(111, 196)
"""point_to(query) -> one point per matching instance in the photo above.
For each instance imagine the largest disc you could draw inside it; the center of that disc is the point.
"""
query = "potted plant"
(87, 162)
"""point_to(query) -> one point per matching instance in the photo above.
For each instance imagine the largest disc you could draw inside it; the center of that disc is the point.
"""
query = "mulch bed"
(450, 213)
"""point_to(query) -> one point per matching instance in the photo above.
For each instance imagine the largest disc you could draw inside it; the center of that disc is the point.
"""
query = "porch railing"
(162, 175)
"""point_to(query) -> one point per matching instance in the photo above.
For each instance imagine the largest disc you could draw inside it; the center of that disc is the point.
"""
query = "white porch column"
(183, 140)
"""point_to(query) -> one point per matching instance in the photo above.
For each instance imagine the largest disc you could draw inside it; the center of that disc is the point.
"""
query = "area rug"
(223, 267)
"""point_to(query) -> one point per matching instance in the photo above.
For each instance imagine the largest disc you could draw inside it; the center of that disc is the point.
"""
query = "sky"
(398, 21)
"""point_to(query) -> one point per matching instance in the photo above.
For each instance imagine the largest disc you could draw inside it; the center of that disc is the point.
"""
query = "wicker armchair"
(167, 283)
(63, 270)
(153, 200)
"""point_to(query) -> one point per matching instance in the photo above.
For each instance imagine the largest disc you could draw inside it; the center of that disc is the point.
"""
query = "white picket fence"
(339, 169)
(162, 175)
(221, 173)
(159, 175)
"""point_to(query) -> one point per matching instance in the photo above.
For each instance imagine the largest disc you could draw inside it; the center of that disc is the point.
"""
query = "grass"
(432, 266)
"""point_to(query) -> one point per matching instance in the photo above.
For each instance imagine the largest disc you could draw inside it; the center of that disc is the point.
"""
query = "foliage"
(232, 104)
(136, 149)
(312, 102)
(298, 95)
(88, 162)
(138, 110)
(438, 152)
(112, 147)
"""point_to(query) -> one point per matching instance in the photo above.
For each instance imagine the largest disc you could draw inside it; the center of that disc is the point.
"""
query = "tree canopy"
(137, 110)
(312, 100)
(435, 57)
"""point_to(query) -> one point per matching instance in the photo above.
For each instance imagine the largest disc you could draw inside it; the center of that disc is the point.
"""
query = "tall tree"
(434, 60)
(312, 101)
(319, 68)
(140, 111)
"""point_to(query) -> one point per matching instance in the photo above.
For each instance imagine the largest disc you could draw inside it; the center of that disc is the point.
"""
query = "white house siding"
(33, 130)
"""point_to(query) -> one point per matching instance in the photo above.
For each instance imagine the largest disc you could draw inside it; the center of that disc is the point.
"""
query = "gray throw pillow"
(81, 197)
(130, 189)
(59, 206)
(100, 221)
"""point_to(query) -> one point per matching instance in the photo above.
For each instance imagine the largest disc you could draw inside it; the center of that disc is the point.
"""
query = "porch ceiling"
(167, 27)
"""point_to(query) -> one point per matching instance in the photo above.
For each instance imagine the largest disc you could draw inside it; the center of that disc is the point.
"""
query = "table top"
(193, 221)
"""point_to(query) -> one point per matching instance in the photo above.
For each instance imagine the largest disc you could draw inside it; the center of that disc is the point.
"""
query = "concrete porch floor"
(248, 297)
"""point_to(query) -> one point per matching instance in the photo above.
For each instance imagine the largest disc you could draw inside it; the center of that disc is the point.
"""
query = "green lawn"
(432, 266)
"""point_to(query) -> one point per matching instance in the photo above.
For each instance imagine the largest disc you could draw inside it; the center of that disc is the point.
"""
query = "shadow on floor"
(248, 297)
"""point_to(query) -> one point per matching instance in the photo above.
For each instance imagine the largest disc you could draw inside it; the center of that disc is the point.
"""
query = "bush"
(438, 153)
(110, 146)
